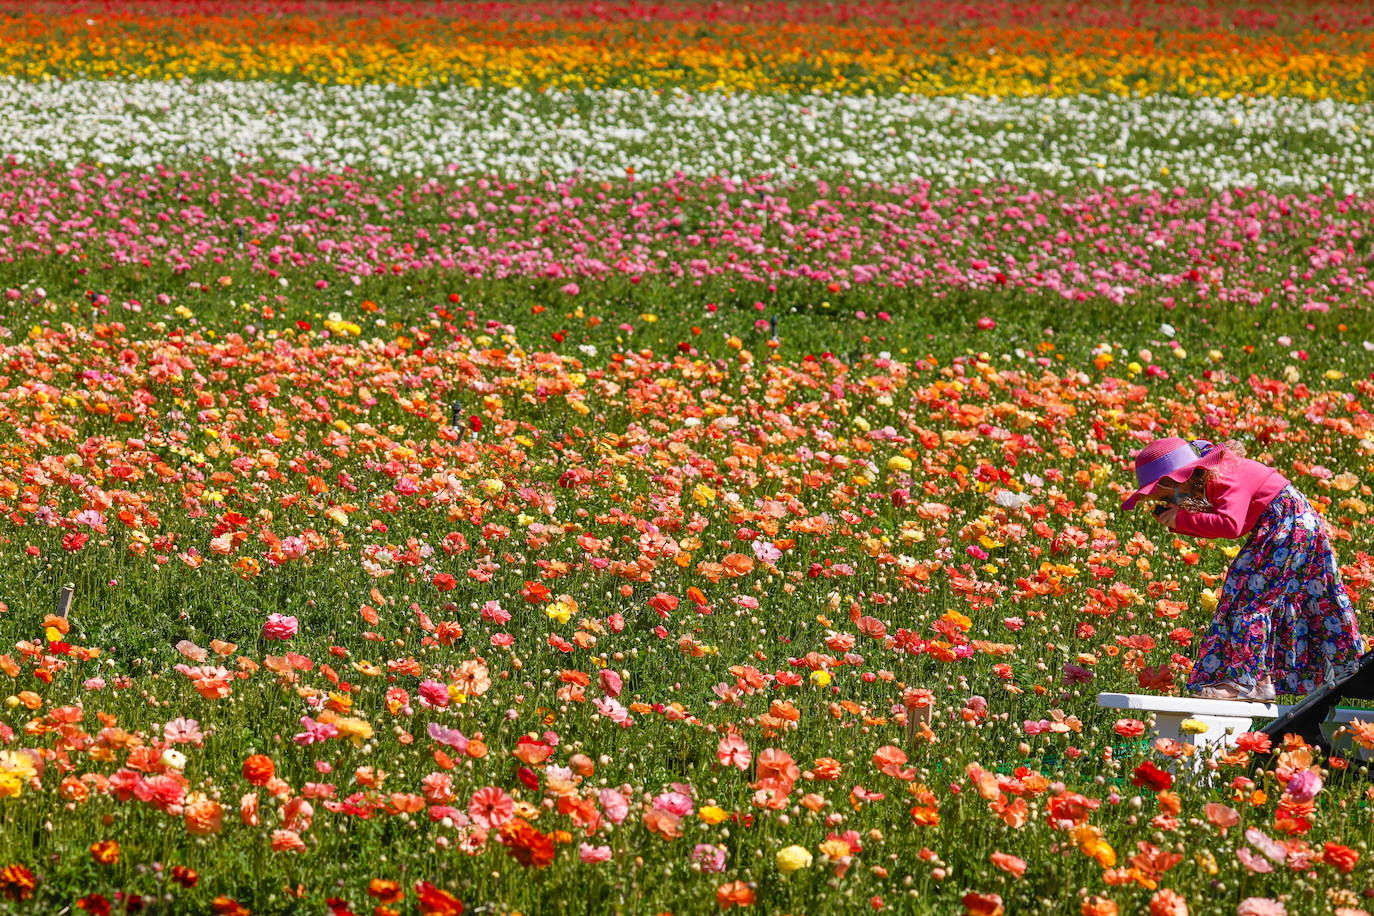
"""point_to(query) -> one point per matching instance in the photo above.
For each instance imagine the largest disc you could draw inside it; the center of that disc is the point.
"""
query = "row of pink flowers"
(1249, 247)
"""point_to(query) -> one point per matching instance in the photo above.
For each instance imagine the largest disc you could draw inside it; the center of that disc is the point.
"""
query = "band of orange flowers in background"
(779, 56)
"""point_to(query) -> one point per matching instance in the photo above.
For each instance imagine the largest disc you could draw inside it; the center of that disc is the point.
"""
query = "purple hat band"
(1179, 458)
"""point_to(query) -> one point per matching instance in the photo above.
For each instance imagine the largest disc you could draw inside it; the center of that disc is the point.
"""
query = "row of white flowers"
(1278, 143)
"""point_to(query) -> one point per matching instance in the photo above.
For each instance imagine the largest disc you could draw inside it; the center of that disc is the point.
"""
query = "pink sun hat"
(1173, 458)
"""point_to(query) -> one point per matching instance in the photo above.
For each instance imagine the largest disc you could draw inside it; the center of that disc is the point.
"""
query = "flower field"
(609, 457)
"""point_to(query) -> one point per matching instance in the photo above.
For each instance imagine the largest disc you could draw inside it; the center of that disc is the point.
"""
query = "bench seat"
(1224, 719)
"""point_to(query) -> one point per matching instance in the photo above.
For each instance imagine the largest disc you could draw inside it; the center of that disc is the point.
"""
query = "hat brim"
(1211, 459)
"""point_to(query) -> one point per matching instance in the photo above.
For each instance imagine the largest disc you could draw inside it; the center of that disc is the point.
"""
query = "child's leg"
(1322, 640)
(1237, 644)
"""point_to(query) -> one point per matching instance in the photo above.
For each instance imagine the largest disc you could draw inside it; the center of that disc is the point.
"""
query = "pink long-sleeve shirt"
(1239, 496)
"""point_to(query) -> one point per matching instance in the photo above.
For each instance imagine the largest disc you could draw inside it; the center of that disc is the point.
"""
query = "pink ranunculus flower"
(733, 751)
(708, 858)
(590, 854)
(610, 682)
(1304, 786)
(280, 626)
(613, 805)
(433, 694)
(294, 547)
(674, 803)
(183, 731)
(491, 807)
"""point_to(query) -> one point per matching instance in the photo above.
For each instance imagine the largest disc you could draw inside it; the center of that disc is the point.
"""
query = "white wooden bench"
(1224, 719)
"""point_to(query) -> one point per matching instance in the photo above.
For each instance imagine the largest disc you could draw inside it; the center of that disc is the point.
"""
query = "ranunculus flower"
(1166, 902)
(1009, 863)
(591, 854)
(280, 626)
(792, 858)
(1304, 785)
(709, 858)
(733, 751)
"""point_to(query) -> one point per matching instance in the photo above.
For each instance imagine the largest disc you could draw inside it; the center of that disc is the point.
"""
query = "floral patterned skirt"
(1283, 611)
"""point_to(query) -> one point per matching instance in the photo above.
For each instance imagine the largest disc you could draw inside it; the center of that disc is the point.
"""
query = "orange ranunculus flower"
(1342, 858)
(775, 765)
(226, 906)
(527, 845)
(73, 790)
(826, 768)
(737, 564)
(106, 852)
(1168, 903)
(17, 882)
(203, 815)
(259, 769)
(663, 823)
(1014, 813)
(926, 815)
(784, 710)
(982, 904)
(663, 603)
(1099, 906)
(736, 893)
(436, 902)
(385, 891)
(531, 751)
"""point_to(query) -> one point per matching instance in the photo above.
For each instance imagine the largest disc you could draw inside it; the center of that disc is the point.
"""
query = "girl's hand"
(1167, 517)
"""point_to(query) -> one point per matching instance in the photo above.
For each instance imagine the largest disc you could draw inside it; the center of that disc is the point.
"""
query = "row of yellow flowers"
(780, 57)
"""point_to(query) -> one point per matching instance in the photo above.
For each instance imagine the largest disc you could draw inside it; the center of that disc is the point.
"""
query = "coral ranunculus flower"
(1013, 865)
(777, 766)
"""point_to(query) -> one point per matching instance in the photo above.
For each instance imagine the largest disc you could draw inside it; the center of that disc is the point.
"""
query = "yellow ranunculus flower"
(16, 770)
(793, 858)
(712, 814)
(559, 611)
